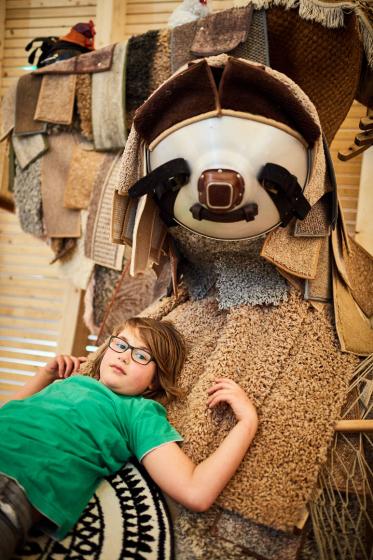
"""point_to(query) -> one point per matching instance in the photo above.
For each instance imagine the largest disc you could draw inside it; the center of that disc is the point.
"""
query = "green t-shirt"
(60, 443)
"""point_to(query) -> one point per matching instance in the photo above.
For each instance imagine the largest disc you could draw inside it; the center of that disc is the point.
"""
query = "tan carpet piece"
(161, 67)
(320, 289)
(354, 328)
(27, 94)
(28, 148)
(84, 104)
(95, 61)
(317, 221)
(297, 256)
(108, 119)
(56, 99)
(8, 110)
(132, 162)
(83, 170)
(359, 267)
(55, 165)
(98, 244)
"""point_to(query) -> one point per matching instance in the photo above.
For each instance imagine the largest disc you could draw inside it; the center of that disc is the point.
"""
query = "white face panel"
(241, 145)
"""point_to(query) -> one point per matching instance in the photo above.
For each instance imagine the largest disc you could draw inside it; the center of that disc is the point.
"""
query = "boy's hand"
(63, 366)
(226, 390)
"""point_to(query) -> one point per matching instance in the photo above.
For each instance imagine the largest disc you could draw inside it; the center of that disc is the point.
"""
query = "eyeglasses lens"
(138, 355)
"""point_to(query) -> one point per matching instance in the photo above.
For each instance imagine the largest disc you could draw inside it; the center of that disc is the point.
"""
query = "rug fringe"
(328, 15)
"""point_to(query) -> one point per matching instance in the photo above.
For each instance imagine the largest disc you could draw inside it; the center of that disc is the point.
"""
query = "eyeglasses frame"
(132, 349)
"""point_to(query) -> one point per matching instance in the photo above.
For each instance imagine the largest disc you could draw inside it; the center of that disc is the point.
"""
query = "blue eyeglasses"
(139, 355)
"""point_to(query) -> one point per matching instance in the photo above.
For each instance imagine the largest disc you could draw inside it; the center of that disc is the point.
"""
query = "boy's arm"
(58, 368)
(197, 486)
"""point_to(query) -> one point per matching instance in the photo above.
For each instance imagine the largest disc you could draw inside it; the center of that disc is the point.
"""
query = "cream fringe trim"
(329, 15)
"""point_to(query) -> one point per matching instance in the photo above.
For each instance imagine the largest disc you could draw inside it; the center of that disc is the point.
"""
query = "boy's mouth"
(117, 368)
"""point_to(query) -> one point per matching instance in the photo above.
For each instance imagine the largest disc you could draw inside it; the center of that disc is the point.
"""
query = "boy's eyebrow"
(139, 347)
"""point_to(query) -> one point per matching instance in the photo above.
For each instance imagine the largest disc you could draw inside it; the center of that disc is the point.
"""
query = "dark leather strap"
(247, 213)
(170, 176)
(285, 191)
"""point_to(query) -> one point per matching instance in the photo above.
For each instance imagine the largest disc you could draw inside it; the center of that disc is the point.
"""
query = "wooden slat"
(24, 346)
(8, 364)
(71, 4)
(36, 32)
(29, 14)
(10, 331)
(17, 301)
(36, 325)
(24, 312)
(25, 360)
(41, 23)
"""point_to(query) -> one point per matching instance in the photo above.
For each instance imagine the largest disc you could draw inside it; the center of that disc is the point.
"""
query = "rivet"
(238, 175)
(201, 28)
(220, 171)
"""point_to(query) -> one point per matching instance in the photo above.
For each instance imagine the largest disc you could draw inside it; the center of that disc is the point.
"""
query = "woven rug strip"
(84, 167)
(102, 174)
(27, 94)
(87, 63)
(256, 45)
(296, 255)
(28, 148)
(108, 119)
(8, 109)
(161, 68)
(104, 252)
(56, 99)
(84, 104)
(27, 196)
(55, 165)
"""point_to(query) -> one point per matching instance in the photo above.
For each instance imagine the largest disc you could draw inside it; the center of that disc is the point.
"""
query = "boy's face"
(120, 373)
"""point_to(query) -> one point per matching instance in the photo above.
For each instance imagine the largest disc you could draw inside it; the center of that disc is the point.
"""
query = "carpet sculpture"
(126, 518)
(283, 308)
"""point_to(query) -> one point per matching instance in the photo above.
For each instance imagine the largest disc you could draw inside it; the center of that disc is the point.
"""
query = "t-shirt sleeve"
(151, 429)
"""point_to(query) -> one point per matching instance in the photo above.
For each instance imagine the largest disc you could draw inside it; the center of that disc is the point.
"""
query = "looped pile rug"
(127, 517)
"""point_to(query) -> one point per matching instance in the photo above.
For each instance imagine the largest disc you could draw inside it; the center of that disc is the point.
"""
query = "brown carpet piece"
(108, 119)
(132, 162)
(27, 94)
(319, 59)
(87, 63)
(84, 104)
(55, 165)
(181, 39)
(83, 170)
(222, 31)
(320, 289)
(354, 328)
(297, 256)
(56, 99)
(98, 244)
(8, 110)
(359, 267)
(28, 148)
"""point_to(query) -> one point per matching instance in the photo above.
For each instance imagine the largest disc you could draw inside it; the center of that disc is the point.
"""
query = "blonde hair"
(167, 346)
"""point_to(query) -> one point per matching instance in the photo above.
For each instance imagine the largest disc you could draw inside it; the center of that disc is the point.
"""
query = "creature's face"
(223, 197)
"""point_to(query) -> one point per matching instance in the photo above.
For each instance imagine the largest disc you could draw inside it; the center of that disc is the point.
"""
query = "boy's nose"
(126, 355)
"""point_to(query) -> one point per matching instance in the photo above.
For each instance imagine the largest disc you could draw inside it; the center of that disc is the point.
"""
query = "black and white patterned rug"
(127, 518)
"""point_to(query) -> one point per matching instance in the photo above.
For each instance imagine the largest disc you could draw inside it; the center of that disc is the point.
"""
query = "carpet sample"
(298, 48)
(82, 174)
(75, 266)
(256, 45)
(127, 517)
(28, 148)
(354, 328)
(317, 221)
(55, 165)
(221, 32)
(56, 99)
(98, 245)
(27, 94)
(140, 55)
(8, 110)
(161, 68)
(297, 256)
(320, 289)
(359, 268)
(87, 63)
(108, 119)
(181, 39)
(132, 165)
(28, 199)
(84, 104)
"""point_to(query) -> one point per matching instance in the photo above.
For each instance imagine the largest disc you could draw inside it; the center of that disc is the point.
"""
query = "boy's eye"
(141, 356)
(122, 346)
